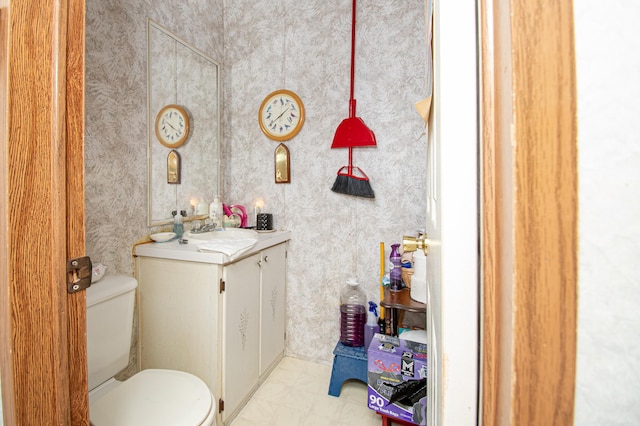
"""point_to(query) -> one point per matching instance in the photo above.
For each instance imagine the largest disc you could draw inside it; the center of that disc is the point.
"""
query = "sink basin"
(226, 234)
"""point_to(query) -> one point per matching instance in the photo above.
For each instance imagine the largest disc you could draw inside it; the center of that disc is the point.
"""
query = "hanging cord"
(284, 49)
(352, 100)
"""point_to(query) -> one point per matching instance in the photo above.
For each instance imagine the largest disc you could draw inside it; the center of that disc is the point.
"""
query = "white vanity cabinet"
(272, 312)
(253, 327)
(241, 332)
(223, 322)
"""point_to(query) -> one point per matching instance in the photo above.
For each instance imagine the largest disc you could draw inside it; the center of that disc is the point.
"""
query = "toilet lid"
(154, 397)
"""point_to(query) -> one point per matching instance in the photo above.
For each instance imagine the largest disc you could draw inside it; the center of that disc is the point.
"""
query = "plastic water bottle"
(353, 314)
(395, 275)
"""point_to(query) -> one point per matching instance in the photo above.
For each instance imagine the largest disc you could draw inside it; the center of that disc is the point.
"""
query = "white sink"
(226, 234)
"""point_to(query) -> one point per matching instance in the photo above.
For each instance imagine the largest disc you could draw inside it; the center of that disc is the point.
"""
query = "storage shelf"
(402, 300)
(399, 300)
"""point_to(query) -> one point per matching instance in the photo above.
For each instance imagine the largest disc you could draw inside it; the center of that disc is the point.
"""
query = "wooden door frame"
(43, 331)
(529, 212)
(529, 204)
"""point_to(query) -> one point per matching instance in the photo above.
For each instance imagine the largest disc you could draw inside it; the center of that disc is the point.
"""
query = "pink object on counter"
(242, 214)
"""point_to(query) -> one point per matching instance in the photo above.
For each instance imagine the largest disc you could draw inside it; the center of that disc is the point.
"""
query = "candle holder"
(264, 222)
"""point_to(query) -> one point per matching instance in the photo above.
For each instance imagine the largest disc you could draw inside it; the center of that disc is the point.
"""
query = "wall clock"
(172, 126)
(281, 115)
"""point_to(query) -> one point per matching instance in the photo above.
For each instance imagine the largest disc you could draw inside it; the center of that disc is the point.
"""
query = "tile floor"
(295, 394)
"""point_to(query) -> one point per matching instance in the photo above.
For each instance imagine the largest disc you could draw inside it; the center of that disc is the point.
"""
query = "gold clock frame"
(298, 126)
(187, 126)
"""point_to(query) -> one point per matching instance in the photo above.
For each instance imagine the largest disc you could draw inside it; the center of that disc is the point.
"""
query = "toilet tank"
(110, 304)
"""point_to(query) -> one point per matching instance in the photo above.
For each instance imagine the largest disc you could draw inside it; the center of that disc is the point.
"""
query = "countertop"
(189, 252)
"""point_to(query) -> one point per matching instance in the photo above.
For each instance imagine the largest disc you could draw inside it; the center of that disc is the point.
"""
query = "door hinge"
(220, 405)
(222, 285)
(78, 274)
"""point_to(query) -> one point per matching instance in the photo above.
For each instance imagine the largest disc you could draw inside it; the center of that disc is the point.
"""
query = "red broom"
(352, 132)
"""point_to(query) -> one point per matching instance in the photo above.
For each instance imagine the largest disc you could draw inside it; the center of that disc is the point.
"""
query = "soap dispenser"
(215, 212)
(178, 226)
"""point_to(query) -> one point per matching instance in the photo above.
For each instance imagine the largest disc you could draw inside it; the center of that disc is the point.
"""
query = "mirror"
(179, 74)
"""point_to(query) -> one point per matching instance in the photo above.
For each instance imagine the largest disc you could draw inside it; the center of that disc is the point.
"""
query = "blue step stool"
(348, 363)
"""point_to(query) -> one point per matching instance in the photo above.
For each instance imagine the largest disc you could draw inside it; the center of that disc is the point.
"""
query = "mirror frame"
(151, 24)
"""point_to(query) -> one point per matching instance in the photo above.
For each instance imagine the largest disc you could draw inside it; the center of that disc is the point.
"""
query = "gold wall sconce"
(173, 167)
(282, 164)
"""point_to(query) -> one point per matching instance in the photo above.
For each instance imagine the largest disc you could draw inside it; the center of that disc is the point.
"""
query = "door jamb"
(529, 212)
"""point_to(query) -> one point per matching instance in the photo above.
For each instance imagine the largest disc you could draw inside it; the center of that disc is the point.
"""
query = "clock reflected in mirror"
(172, 126)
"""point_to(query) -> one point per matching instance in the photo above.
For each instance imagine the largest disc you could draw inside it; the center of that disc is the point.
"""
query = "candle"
(257, 207)
(194, 203)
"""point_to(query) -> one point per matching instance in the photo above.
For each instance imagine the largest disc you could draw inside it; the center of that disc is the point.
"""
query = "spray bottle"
(395, 274)
(371, 327)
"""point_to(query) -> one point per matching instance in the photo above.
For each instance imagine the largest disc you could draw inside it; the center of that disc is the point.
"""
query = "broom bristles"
(353, 186)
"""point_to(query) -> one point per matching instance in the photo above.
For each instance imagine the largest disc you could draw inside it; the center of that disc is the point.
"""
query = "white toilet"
(150, 397)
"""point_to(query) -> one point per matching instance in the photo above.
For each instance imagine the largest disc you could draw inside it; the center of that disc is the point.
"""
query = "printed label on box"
(397, 378)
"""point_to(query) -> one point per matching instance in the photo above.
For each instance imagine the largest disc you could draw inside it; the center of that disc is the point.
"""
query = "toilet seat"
(155, 397)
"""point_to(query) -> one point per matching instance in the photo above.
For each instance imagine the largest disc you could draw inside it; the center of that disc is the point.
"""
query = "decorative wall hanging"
(173, 167)
(172, 126)
(282, 166)
(281, 115)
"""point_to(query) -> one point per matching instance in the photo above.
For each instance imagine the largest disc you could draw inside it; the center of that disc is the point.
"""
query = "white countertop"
(189, 252)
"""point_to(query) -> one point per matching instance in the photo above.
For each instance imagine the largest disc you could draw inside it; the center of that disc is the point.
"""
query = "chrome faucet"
(207, 227)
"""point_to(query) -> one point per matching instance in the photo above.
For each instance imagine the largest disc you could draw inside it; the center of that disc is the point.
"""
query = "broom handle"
(352, 101)
(350, 161)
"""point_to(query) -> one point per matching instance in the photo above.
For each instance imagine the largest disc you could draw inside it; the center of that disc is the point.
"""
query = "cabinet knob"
(266, 258)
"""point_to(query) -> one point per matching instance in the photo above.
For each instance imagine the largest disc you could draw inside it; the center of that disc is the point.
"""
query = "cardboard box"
(397, 378)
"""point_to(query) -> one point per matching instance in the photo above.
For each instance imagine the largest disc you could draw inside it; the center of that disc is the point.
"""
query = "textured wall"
(116, 113)
(608, 374)
(116, 118)
(305, 47)
(300, 46)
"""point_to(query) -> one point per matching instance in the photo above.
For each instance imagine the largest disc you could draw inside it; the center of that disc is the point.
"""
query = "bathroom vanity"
(218, 318)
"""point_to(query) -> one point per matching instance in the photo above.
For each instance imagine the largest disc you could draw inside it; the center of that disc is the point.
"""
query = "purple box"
(397, 378)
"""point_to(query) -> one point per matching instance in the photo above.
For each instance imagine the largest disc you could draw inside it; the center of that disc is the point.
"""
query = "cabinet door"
(241, 331)
(272, 310)
(178, 311)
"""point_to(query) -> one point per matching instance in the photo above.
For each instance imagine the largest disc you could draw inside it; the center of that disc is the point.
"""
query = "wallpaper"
(300, 46)
(306, 48)
(116, 178)
(608, 365)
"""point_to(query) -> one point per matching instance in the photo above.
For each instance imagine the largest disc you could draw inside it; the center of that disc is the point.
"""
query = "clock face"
(172, 126)
(281, 115)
